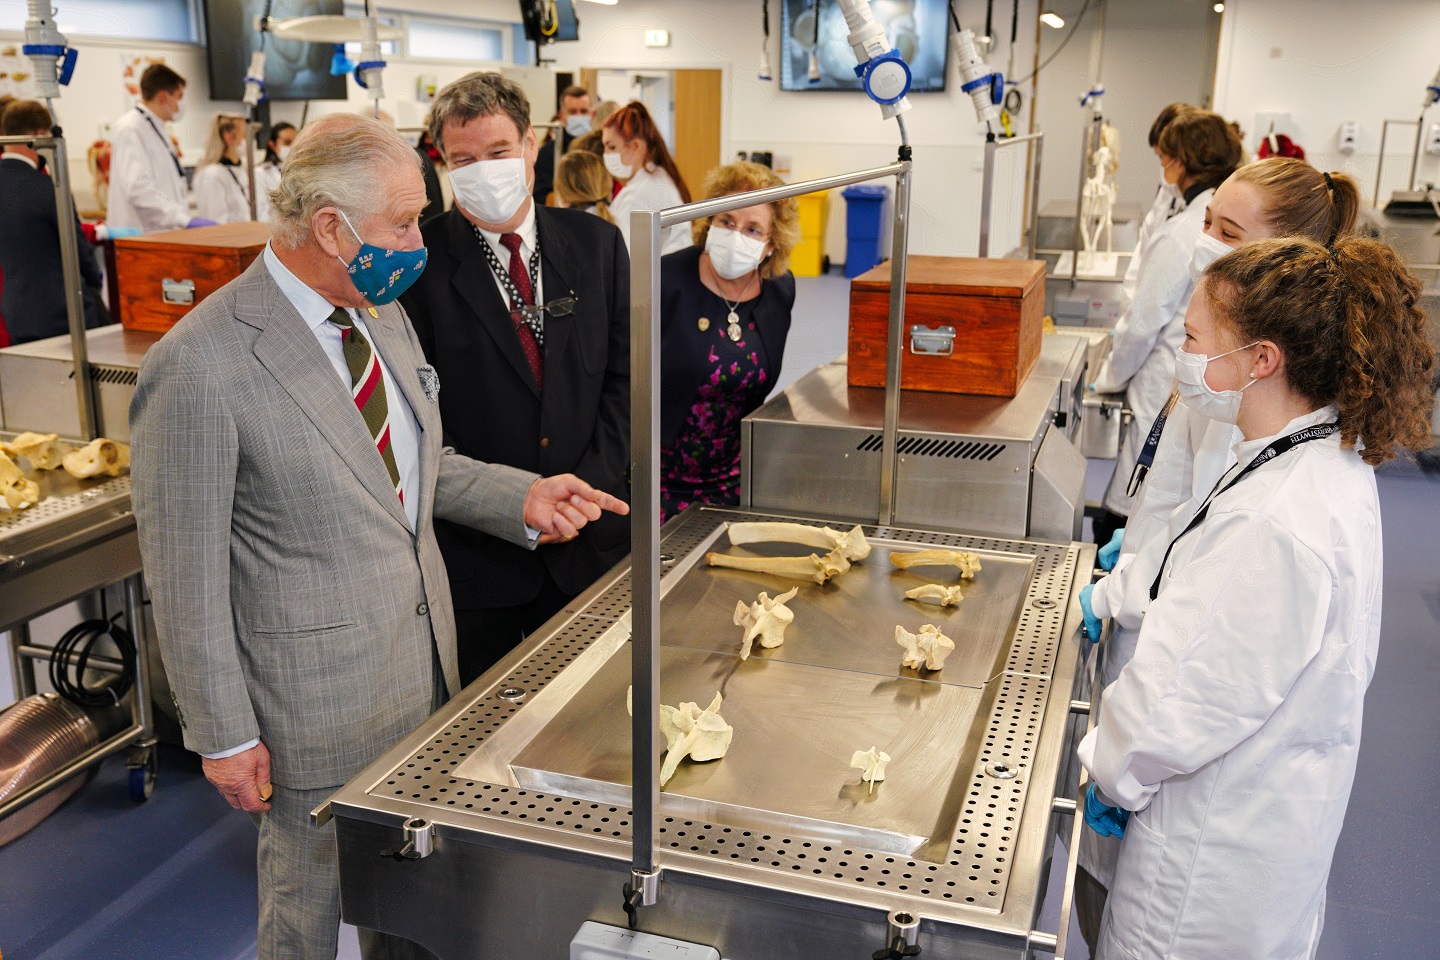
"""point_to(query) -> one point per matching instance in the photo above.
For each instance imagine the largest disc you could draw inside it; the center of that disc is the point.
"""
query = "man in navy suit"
(524, 312)
(32, 300)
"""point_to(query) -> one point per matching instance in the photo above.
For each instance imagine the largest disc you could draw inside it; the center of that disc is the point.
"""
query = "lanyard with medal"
(1317, 432)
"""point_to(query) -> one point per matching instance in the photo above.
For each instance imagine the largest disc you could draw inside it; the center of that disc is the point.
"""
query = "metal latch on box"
(180, 292)
(939, 342)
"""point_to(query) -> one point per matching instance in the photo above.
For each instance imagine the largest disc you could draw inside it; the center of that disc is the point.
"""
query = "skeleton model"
(872, 763)
(927, 649)
(1098, 201)
(766, 619)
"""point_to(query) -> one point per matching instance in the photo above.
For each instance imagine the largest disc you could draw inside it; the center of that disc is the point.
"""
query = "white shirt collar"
(526, 231)
(314, 309)
(22, 158)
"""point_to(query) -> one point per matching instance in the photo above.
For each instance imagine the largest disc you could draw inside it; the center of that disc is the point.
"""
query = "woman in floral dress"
(725, 314)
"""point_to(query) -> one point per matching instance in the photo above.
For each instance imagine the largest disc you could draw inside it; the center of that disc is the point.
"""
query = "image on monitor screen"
(917, 30)
(293, 70)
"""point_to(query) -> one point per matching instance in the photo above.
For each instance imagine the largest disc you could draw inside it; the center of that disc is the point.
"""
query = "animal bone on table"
(689, 731)
(927, 649)
(968, 563)
(816, 568)
(936, 593)
(766, 618)
(43, 450)
(852, 544)
(872, 762)
(99, 456)
(18, 492)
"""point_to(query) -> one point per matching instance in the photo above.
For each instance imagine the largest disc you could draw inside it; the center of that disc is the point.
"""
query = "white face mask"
(1195, 393)
(733, 254)
(1207, 251)
(179, 112)
(577, 124)
(618, 168)
(491, 190)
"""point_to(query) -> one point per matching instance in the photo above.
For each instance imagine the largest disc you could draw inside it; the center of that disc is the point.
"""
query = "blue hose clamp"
(360, 68)
(1434, 94)
(67, 68)
(996, 82)
(866, 70)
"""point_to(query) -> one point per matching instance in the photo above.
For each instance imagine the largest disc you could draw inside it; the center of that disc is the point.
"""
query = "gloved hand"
(105, 231)
(1093, 626)
(1111, 551)
(1104, 819)
(200, 222)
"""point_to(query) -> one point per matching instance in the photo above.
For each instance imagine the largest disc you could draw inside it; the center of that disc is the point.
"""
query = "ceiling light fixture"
(1218, 8)
(1052, 20)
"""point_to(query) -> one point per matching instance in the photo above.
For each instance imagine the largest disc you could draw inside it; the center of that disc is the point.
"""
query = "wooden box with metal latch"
(161, 277)
(972, 325)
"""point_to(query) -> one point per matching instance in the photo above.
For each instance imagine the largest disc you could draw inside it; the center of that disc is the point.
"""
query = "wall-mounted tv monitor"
(535, 14)
(293, 70)
(917, 29)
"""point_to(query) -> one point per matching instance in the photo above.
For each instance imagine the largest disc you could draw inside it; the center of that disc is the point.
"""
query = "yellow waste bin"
(808, 258)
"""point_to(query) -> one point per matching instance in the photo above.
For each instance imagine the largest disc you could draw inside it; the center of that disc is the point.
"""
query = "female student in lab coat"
(1198, 151)
(1233, 731)
(636, 156)
(267, 175)
(1168, 202)
(1274, 197)
(220, 191)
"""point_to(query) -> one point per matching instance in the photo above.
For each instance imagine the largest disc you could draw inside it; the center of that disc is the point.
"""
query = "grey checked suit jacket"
(292, 600)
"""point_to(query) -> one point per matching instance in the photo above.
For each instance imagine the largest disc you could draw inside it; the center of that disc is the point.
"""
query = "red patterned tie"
(368, 390)
(520, 277)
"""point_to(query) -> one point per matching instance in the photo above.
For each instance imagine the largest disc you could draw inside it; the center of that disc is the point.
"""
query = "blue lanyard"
(1318, 432)
(1146, 460)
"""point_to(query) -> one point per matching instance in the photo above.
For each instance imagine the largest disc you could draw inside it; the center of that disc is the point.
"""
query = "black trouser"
(483, 637)
(1090, 896)
(1106, 524)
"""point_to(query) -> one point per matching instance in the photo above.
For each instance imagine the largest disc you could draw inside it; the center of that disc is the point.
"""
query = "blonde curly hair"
(743, 176)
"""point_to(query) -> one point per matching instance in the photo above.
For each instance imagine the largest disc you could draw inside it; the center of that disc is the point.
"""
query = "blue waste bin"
(864, 204)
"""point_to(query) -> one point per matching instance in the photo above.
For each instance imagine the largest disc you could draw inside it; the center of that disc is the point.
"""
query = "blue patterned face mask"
(382, 275)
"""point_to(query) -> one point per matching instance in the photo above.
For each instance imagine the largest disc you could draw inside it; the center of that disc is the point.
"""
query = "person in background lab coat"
(1198, 151)
(636, 156)
(1233, 731)
(267, 175)
(221, 180)
(1275, 197)
(1168, 202)
(147, 185)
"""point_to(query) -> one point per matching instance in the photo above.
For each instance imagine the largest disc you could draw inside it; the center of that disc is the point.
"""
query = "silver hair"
(336, 161)
(477, 94)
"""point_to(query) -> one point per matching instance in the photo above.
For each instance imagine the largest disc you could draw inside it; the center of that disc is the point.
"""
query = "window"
(456, 40)
(172, 20)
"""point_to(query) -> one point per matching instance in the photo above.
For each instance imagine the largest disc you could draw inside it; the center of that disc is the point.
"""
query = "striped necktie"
(367, 386)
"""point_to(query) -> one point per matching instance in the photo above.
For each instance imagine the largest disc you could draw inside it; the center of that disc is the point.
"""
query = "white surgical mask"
(577, 124)
(179, 112)
(1207, 251)
(733, 254)
(1195, 393)
(618, 168)
(491, 190)
(282, 152)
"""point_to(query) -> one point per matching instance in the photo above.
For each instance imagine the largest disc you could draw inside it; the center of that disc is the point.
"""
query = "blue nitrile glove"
(1104, 819)
(200, 222)
(119, 233)
(1111, 551)
(1093, 626)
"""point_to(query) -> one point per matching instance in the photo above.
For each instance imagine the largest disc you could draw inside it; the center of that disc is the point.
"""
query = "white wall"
(822, 133)
(1327, 61)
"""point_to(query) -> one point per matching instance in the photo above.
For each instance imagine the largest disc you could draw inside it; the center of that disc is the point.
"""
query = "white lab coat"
(1142, 350)
(1165, 206)
(1194, 452)
(267, 178)
(146, 190)
(650, 189)
(220, 193)
(1233, 732)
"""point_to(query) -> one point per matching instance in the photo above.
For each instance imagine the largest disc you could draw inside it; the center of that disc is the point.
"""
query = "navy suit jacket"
(33, 297)
(492, 410)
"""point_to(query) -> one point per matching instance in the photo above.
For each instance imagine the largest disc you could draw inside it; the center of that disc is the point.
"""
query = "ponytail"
(632, 122)
(1347, 322)
(1301, 201)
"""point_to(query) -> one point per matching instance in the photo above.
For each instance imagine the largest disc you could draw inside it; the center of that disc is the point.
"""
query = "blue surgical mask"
(577, 124)
(382, 275)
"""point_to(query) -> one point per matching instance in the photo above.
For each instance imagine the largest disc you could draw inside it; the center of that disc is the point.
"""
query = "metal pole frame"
(646, 230)
(53, 150)
(987, 187)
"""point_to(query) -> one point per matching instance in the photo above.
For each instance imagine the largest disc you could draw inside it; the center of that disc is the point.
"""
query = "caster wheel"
(824, 265)
(142, 778)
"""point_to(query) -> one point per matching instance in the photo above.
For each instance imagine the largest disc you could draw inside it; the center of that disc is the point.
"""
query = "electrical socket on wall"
(1432, 140)
(1349, 137)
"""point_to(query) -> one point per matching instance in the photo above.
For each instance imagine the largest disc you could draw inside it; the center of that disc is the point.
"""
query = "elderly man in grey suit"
(287, 465)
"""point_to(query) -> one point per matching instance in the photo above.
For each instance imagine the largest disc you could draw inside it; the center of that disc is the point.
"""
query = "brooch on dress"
(429, 381)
